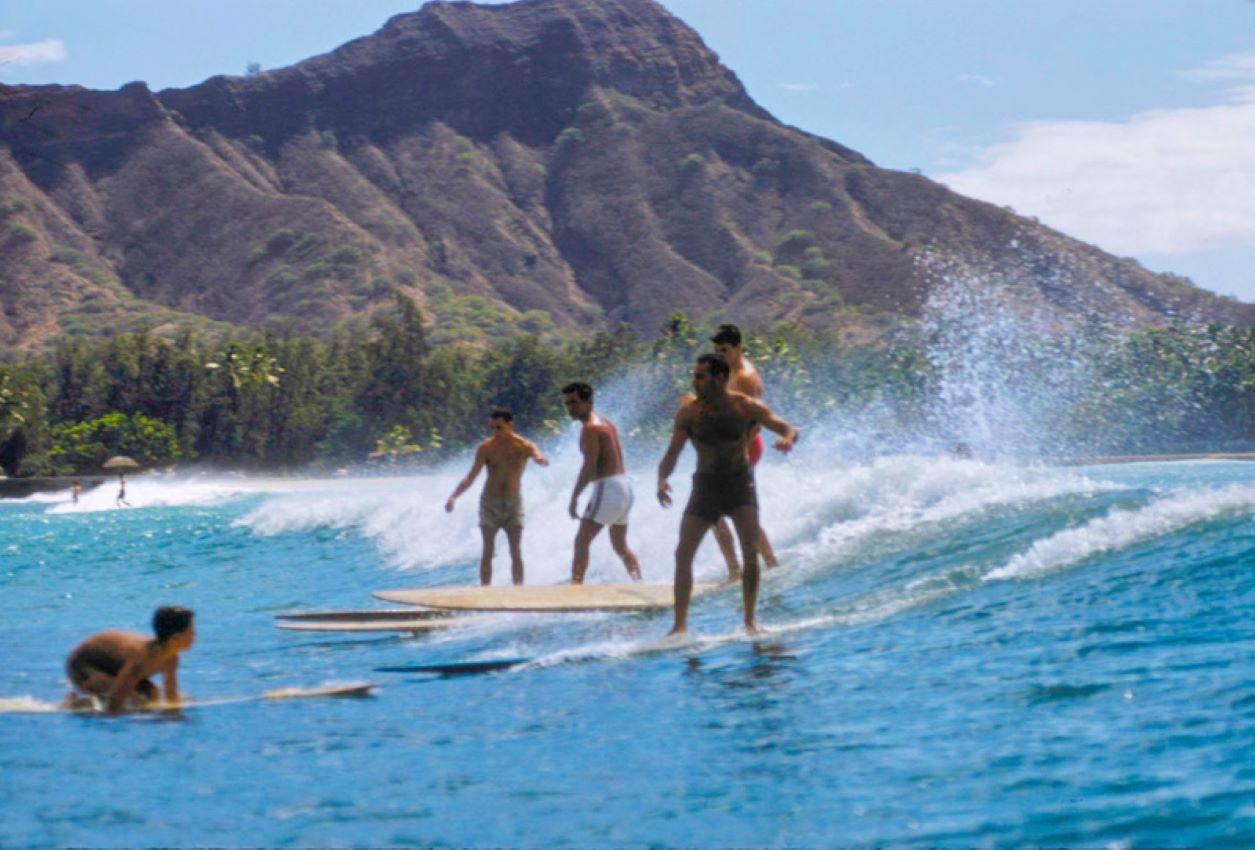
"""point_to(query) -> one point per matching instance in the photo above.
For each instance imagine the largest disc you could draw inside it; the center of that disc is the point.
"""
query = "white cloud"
(799, 86)
(1235, 66)
(978, 80)
(51, 50)
(1167, 181)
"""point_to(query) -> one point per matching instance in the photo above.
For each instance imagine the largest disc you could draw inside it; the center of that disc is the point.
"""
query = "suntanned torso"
(600, 439)
(720, 430)
(505, 456)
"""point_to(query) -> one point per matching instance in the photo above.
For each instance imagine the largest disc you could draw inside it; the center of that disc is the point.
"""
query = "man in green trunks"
(720, 424)
(118, 666)
(505, 454)
(743, 377)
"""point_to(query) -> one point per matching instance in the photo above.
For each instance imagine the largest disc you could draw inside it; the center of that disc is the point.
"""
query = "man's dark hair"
(583, 391)
(716, 364)
(170, 620)
(502, 413)
(727, 335)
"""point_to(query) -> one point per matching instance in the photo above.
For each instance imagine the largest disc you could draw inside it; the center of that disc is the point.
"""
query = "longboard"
(405, 620)
(89, 706)
(540, 599)
(457, 668)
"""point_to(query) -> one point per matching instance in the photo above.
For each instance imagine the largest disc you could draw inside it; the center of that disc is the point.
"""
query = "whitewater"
(960, 652)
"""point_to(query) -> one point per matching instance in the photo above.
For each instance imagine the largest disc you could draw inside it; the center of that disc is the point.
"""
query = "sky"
(1126, 123)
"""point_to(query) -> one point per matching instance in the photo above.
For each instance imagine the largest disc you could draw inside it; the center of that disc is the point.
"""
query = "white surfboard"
(544, 599)
(26, 705)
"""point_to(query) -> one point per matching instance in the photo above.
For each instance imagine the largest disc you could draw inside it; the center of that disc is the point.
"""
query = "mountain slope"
(546, 163)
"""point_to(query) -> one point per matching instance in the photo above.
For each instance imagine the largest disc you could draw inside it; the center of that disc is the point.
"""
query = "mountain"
(550, 163)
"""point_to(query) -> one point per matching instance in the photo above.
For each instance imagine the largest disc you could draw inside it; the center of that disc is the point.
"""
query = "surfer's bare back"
(505, 454)
(720, 424)
(118, 666)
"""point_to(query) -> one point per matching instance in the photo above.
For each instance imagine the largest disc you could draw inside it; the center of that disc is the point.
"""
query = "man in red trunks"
(744, 378)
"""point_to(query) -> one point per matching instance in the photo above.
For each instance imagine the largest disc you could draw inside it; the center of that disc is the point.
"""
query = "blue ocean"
(960, 653)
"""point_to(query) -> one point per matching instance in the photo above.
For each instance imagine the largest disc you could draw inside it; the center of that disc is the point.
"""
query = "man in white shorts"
(612, 492)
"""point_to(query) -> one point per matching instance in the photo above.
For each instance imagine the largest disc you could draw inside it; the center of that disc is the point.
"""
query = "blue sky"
(1127, 123)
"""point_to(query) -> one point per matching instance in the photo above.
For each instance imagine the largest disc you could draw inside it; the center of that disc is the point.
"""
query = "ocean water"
(960, 653)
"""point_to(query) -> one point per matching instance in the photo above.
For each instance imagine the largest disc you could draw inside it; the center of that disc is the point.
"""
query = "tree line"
(269, 401)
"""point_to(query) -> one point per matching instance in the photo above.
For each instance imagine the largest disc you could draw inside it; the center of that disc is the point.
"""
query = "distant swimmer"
(612, 491)
(505, 454)
(118, 666)
(720, 424)
(742, 378)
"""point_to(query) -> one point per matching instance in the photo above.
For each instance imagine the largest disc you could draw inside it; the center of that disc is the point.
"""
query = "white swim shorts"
(611, 501)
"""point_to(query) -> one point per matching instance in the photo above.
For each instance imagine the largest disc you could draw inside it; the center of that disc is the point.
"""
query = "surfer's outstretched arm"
(465, 483)
(170, 681)
(766, 417)
(679, 433)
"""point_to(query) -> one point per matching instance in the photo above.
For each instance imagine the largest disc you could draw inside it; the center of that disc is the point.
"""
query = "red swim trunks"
(755, 450)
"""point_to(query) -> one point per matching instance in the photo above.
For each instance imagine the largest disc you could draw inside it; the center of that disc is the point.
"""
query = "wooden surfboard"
(417, 623)
(544, 599)
(397, 620)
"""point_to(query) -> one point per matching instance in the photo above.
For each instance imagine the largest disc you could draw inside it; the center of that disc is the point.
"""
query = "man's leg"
(764, 548)
(618, 539)
(583, 541)
(745, 518)
(692, 530)
(727, 547)
(514, 534)
(485, 558)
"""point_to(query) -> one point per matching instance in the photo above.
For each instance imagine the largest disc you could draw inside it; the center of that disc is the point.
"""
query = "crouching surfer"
(118, 666)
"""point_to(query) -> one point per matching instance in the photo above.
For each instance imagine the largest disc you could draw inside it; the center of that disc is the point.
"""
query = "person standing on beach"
(121, 500)
(742, 378)
(612, 491)
(720, 424)
(505, 454)
(118, 666)
(76, 490)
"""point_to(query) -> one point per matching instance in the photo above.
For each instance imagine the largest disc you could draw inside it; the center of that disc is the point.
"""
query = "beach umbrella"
(120, 463)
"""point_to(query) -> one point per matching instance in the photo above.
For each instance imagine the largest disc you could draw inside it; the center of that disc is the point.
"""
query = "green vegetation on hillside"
(271, 401)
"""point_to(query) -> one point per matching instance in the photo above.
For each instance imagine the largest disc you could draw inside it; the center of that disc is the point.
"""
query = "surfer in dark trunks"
(720, 424)
(505, 454)
(612, 491)
(742, 378)
(118, 666)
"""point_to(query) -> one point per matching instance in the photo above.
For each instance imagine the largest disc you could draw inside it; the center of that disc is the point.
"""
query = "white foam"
(1122, 528)
(907, 494)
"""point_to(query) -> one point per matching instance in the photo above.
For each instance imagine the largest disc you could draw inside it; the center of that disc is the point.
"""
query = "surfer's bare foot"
(678, 630)
(751, 628)
(734, 575)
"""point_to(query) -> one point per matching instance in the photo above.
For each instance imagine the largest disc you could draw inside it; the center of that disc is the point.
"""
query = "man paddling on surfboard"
(612, 492)
(742, 378)
(118, 666)
(720, 424)
(505, 454)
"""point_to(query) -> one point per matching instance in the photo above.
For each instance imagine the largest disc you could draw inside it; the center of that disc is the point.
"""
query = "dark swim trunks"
(717, 494)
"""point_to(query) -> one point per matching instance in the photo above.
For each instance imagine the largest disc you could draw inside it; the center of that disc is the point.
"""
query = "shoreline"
(18, 488)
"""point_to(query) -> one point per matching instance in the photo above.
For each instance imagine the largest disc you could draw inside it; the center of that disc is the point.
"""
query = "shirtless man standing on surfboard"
(118, 666)
(505, 454)
(612, 492)
(720, 425)
(742, 378)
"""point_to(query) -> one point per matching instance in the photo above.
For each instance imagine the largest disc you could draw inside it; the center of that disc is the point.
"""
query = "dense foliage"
(270, 401)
